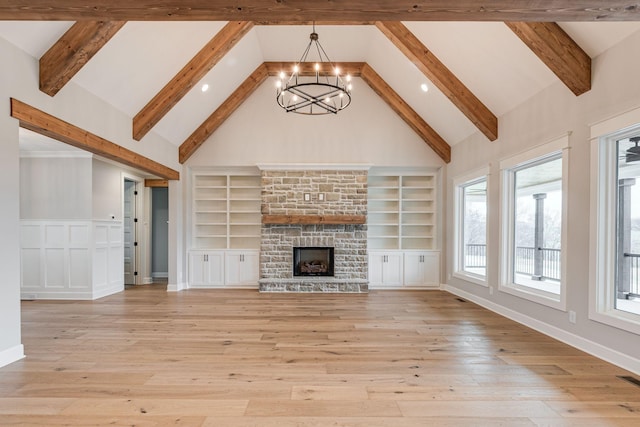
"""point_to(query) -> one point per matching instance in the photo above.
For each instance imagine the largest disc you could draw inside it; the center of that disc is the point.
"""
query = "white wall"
(548, 115)
(107, 187)
(55, 188)
(261, 132)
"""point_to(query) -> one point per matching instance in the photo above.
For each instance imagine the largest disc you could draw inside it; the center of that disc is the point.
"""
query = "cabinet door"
(392, 269)
(432, 268)
(376, 261)
(414, 269)
(197, 269)
(242, 268)
(215, 268)
(250, 273)
(385, 269)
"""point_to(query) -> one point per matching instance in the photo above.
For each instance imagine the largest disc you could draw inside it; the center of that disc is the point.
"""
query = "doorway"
(159, 234)
(130, 231)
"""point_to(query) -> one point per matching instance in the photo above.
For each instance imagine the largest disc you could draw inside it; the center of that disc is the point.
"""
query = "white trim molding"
(11, 355)
(598, 350)
(312, 166)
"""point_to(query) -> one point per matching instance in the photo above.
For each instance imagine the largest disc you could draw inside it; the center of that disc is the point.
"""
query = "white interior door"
(129, 232)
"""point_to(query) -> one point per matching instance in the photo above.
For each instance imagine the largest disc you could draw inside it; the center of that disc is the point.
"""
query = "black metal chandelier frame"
(326, 90)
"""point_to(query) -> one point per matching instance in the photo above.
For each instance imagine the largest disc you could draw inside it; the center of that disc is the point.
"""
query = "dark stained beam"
(442, 77)
(426, 132)
(307, 10)
(186, 78)
(72, 51)
(45, 124)
(558, 51)
(213, 122)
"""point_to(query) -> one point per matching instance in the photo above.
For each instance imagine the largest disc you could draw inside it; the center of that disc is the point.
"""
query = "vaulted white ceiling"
(486, 56)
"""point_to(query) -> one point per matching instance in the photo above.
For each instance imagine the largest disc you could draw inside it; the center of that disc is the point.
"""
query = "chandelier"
(313, 89)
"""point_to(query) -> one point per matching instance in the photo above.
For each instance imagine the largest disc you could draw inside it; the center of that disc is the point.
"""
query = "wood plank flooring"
(146, 357)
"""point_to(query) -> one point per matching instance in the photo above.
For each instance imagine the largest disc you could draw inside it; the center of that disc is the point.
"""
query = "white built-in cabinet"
(206, 269)
(242, 268)
(421, 268)
(226, 223)
(402, 229)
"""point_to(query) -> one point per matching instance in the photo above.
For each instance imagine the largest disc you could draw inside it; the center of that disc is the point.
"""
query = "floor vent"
(630, 379)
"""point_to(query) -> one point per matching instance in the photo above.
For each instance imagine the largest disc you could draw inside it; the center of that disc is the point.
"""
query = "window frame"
(459, 184)
(603, 227)
(508, 167)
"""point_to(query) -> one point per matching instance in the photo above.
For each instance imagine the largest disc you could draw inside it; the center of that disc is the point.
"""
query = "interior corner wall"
(11, 348)
(546, 116)
(368, 132)
(106, 192)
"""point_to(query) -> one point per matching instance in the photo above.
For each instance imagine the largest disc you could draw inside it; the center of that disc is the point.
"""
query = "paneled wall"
(71, 259)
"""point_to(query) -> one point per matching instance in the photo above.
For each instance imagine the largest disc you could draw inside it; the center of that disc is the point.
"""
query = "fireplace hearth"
(313, 261)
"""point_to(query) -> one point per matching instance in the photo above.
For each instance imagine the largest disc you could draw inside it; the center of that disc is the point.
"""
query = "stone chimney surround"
(315, 206)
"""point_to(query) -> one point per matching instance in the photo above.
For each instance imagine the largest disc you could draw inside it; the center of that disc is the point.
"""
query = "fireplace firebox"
(313, 261)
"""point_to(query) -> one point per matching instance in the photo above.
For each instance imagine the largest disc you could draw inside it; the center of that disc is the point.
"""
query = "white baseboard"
(113, 289)
(160, 275)
(598, 350)
(176, 287)
(147, 280)
(11, 355)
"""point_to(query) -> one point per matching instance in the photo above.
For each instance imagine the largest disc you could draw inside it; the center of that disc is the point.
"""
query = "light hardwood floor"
(146, 357)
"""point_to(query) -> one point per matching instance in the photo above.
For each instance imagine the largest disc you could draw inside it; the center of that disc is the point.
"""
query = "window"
(616, 233)
(533, 224)
(471, 228)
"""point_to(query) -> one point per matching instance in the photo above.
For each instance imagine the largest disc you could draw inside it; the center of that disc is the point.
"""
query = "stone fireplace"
(318, 214)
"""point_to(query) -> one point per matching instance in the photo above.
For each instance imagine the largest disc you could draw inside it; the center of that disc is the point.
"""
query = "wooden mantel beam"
(308, 10)
(186, 78)
(72, 51)
(222, 113)
(45, 124)
(441, 77)
(558, 51)
(426, 132)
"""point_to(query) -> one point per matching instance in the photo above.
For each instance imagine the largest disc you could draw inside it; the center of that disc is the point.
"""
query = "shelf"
(314, 219)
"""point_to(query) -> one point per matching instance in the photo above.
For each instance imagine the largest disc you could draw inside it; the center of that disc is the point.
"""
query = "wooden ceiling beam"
(222, 113)
(186, 78)
(72, 51)
(441, 77)
(308, 10)
(413, 119)
(307, 68)
(45, 124)
(156, 183)
(558, 51)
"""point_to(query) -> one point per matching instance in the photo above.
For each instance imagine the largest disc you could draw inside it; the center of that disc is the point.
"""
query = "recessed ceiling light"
(424, 87)
(205, 87)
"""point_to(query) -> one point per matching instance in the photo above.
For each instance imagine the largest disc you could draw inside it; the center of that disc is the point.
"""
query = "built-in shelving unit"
(226, 211)
(226, 223)
(401, 211)
(402, 229)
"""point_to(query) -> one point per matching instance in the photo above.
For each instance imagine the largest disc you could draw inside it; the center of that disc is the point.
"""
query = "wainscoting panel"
(71, 259)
